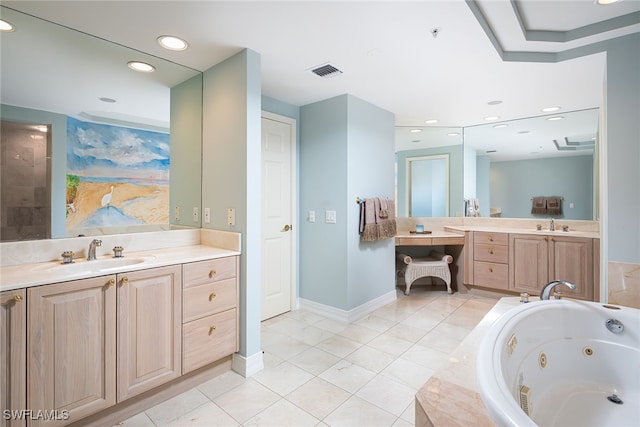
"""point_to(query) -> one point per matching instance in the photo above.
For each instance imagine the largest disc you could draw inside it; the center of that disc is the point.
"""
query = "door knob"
(287, 227)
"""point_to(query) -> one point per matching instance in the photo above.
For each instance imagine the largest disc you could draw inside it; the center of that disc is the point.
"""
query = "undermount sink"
(100, 265)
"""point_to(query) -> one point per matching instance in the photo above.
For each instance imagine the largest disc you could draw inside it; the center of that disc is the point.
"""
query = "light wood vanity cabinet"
(71, 344)
(210, 311)
(13, 360)
(96, 342)
(526, 262)
(536, 260)
(491, 260)
(149, 322)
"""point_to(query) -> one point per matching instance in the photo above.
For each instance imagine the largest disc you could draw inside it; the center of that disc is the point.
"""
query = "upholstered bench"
(435, 265)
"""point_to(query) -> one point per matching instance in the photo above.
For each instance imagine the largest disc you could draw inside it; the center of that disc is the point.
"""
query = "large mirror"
(128, 141)
(504, 167)
(440, 151)
(514, 168)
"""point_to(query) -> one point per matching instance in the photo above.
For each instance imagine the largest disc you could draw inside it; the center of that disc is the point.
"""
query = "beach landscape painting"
(116, 177)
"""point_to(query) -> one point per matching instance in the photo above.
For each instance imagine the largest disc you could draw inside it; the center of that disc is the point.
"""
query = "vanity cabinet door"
(571, 258)
(529, 262)
(13, 355)
(71, 343)
(149, 329)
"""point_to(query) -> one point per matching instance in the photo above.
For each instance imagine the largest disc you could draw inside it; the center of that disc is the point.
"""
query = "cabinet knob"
(212, 273)
(212, 296)
(125, 279)
(111, 282)
(212, 329)
(491, 251)
(490, 269)
(17, 298)
(490, 238)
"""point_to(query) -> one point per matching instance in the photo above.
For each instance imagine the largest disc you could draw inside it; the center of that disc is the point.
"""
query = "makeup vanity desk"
(453, 243)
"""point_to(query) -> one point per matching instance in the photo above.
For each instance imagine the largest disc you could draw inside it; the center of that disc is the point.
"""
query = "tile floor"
(320, 372)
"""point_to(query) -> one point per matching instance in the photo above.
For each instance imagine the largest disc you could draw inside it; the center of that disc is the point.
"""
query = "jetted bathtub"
(562, 363)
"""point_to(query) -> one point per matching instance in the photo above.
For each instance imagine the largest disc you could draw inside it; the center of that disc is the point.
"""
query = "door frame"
(294, 200)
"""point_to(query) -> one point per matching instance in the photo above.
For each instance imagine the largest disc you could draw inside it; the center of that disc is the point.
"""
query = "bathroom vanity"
(106, 343)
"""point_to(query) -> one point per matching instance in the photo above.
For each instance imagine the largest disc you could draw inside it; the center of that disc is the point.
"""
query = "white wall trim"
(247, 366)
(345, 316)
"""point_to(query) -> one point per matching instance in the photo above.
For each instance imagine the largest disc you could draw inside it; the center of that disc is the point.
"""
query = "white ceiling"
(385, 49)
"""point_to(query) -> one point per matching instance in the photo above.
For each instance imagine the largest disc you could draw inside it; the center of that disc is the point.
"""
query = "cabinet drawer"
(199, 273)
(491, 238)
(209, 339)
(207, 299)
(491, 253)
(491, 275)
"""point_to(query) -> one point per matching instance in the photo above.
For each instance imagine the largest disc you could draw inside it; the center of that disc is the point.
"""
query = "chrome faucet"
(91, 254)
(552, 225)
(549, 287)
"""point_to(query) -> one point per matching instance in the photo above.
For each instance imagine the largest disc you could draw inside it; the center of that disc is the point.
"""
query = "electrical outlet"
(207, 215)
(195, 214)
(177, 213)
(231, 216)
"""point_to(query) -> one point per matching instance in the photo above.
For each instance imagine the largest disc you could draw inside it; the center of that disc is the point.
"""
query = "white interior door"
(277, 216)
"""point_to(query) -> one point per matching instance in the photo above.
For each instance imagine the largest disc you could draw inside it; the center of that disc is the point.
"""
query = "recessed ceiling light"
(550, 109)
(141, 66)
(496, 102)
(491, 151)
(172, 43)
(524, 131)
(605, 2)
(431, 121)
(500, 126)
(453, 134)
(491, 118)
(6, 26)
(415, 130)
(555, 118)
(105, 99)
(415, 140)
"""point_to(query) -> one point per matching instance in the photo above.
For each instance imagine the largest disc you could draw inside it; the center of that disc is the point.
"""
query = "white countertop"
(28, 275)
(558, 232)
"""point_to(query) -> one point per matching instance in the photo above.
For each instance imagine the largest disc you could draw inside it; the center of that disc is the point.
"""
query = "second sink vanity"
(105, 342)
(512, 256)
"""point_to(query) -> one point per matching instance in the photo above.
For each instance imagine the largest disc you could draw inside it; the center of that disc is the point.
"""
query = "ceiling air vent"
(326, 71)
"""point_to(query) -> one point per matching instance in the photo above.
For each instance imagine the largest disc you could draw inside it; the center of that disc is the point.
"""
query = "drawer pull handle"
(17, 298)
(124, 280)
(212, 296)
(212, 273)
(491, 239)
(111, 282)
(212, 329)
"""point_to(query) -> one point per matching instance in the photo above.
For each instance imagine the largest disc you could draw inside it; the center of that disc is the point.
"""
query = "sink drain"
(615, 399)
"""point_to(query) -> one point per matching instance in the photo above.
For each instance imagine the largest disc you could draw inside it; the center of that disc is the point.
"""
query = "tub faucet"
(91, 254)
(549, 287)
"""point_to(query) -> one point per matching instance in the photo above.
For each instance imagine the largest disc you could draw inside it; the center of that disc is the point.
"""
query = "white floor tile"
(177, 406)
(318, 397)
(387, 394)
(314, 360)
(347, 376)
(207, 415)
(359, 412)
(282, 414)
(247, 400)
(283, 378)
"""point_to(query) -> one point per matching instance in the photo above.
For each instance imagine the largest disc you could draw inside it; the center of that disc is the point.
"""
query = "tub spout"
(549, 287)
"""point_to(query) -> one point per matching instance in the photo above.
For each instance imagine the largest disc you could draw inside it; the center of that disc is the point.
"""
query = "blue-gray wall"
(483, 184)
(456, 198)
(623, 149)
(512, 186)
(231, 173)
(346, 151)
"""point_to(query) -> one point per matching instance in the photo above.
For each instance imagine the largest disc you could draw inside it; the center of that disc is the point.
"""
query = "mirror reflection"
(439, 195)
(520, 166)
(113, 133)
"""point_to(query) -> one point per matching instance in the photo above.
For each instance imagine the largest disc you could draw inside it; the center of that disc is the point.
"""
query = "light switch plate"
(207, 215)
(231, 216)
(195, 214)
(330, 217)
(312, 216)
